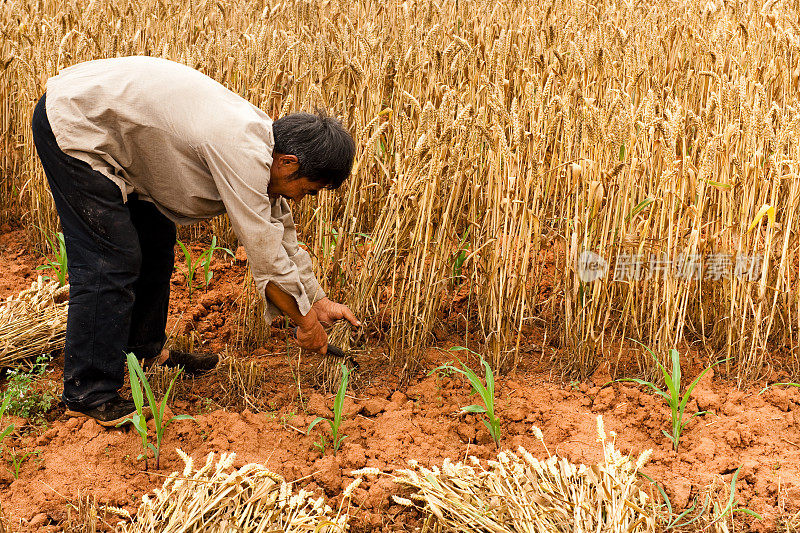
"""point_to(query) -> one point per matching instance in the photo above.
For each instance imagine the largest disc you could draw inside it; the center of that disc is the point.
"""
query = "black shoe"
(111, 413)
(193, 364)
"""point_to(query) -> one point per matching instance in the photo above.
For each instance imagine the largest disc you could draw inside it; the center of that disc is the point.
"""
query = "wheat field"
(497, 142)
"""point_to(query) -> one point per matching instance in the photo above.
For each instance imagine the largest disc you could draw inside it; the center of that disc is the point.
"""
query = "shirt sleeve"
(300, 257)
(241, 176)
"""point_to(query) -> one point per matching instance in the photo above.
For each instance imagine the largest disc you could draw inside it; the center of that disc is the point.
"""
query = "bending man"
(132, 146)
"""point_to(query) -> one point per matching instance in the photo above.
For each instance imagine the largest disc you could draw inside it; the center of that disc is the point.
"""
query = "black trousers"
(120, 259)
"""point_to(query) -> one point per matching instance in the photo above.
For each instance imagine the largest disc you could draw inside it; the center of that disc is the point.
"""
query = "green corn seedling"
(8, 429)
(492, 422)
(139, 383)
(59, 265)
(682, 520)
(203, 262)
(336, 422)
(460, 258)
(672, 393)
(18, 459)
(205, 259)
(189, 266)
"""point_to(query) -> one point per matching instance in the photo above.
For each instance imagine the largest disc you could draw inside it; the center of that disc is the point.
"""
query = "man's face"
(283, 182)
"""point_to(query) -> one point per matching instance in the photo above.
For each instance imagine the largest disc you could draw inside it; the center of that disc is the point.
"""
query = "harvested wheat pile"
(519, 493)
(219, 498)
(33, 322)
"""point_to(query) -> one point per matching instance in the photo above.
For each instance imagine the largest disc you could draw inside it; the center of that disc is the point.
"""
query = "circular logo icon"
(591, 266)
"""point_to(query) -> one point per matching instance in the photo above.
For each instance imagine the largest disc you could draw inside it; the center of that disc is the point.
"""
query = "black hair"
(323, 147)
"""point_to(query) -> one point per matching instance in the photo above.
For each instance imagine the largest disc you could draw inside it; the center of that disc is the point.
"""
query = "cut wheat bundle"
(521, 493)
(33, 322)
(218, 497)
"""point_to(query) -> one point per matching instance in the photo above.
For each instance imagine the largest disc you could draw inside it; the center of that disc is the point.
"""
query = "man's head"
(312, 152)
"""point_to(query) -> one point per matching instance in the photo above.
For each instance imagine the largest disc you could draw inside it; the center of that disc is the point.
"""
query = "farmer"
(132, 146)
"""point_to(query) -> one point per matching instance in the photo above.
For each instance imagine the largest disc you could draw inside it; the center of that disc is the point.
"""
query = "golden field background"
(511, 135)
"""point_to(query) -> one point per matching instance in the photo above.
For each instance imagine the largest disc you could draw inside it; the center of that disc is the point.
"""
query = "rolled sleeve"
(241, 176)
(300, 257)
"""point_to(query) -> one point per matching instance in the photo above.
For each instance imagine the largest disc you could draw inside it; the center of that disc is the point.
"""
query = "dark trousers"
(120, 259)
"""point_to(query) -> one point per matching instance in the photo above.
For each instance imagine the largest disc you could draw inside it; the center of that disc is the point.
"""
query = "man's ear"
(289, 164)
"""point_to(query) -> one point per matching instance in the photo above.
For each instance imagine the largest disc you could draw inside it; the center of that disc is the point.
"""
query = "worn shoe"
(193, 364)
(111, 413)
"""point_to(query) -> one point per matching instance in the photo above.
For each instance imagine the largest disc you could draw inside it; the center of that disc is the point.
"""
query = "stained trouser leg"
(103, 258)
(157, 242)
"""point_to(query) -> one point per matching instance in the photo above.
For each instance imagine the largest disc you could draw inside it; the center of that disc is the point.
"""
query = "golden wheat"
(682, 131)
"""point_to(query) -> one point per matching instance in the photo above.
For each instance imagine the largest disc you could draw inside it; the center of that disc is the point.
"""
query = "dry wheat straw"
(479, 125)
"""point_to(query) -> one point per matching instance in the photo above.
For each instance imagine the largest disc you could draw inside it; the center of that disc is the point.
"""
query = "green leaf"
(151, 400)
(661, 490)
(733, 491)
(748, 512)
(127, 420)
(136, 388)
(474, 380)
(182, 417)
(676, 370)
(139, 423)
(338, 402)
(169, 390)
(489, 382)
(474, 409)
(314, 423)
(639, 208)
(647, 384)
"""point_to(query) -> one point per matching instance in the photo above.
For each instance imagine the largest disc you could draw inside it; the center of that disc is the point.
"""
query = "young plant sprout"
(138, 384)
(59, 265)
(486, 392)
(336, 422)
(672, 393)
(460, 258)
(204, 262)
(8, 429)
(205, 259)
(683, 520)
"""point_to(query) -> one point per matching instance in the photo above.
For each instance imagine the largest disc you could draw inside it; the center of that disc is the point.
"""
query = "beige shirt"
(187, 144)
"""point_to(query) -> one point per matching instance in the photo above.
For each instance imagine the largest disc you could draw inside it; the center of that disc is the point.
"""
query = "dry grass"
(617, 127)
(85, 515)
(218, 497)
(160, 377)
(242, 383)
(33, 322)
(521, 493)
(4, 527)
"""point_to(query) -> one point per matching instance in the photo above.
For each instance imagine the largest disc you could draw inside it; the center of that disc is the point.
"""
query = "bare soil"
(388, 423)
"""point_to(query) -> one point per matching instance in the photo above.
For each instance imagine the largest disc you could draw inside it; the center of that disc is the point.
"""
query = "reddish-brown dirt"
(388, 423)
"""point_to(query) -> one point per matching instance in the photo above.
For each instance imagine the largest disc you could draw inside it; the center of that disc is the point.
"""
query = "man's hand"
(329, 312)
(311, 335)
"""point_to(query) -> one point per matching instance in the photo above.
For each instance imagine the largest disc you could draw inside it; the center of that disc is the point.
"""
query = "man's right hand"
(311, 335)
